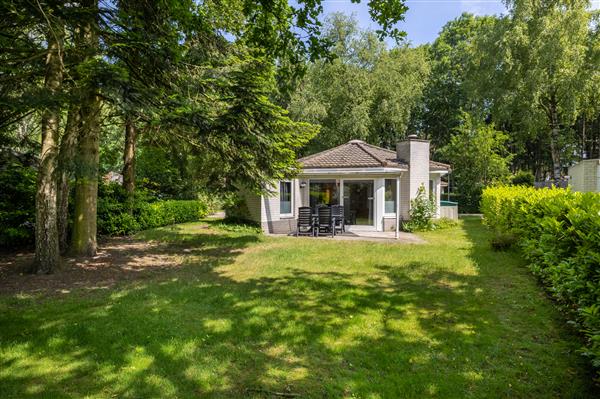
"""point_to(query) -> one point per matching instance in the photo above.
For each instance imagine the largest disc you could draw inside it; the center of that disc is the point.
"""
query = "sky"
(425, 18)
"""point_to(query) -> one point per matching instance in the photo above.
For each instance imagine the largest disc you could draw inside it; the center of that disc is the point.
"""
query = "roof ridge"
(383, 162)
(379, 148)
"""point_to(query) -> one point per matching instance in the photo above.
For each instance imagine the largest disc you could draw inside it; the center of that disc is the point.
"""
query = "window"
(431, 190)
(285, 198)
(390, 195)
(323, 192)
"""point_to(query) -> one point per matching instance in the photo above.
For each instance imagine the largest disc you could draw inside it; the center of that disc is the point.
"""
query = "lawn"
(246, 315)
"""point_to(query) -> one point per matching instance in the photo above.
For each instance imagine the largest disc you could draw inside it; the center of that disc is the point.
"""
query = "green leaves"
(351, 97)
(422, 211)
(478, 155)
(558, 231)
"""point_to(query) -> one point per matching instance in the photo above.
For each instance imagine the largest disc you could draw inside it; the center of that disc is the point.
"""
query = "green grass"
(248, 314)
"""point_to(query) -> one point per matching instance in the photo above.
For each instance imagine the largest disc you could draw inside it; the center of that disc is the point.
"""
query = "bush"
(523, 178)
(117, 217)
(17, 205)
(558, 232)
(422, 211)
(466, 203)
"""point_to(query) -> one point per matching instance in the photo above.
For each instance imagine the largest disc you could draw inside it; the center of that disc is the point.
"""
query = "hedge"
(559, 233)
(114, 217)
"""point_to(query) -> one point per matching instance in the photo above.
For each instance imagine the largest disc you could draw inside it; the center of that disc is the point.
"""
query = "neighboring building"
(585, 176)
(366, 179)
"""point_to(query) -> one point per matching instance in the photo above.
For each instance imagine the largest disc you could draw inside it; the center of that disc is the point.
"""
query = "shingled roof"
(358, 154)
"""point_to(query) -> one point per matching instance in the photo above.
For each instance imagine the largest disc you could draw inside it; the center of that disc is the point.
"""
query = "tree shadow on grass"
(408, 330)
(121, 260)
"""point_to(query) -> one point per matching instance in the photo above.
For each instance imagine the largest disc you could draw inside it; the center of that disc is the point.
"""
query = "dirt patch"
(118, 259)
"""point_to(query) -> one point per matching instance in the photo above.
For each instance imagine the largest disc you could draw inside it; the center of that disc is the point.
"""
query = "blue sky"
(425, 18)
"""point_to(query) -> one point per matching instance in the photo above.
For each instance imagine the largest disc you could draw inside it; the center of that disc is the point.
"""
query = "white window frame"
(291, 214)
(390, 214)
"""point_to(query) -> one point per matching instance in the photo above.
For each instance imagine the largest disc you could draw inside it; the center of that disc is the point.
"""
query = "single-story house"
(367, 180)
(585, 176)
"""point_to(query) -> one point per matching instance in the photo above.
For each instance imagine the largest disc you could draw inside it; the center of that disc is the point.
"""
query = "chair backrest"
(337, 211)
(304, 216)
(324, 215)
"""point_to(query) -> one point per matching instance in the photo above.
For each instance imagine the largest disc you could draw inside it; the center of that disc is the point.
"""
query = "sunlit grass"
(247, 315)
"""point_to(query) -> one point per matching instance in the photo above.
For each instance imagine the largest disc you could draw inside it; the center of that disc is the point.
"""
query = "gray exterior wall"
(585, 176)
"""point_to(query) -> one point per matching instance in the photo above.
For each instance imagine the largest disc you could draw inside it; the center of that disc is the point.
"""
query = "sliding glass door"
(359, 202)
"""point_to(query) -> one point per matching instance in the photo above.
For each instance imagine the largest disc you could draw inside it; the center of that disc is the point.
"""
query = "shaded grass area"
(247, 315)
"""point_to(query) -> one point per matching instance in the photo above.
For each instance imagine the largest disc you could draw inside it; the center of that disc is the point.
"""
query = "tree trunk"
(554, 136)
(47, 255)
(68, 145)
(86, 169)
(583, 140)
(129, 161)
(86, 179)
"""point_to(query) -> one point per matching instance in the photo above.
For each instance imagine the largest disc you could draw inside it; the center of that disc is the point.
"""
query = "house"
(585, 176)
(366, 179)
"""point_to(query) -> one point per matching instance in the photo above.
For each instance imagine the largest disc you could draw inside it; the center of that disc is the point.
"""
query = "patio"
(369, 235)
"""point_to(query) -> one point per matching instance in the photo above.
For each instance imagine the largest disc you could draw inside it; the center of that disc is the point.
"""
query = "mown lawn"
(248, 316)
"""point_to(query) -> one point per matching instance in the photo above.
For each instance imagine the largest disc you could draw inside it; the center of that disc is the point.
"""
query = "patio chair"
(325, 221)
(306, 225)
(337, 212)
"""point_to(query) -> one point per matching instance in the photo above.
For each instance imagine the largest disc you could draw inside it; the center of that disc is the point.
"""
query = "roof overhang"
(351, 171)
(438, 172)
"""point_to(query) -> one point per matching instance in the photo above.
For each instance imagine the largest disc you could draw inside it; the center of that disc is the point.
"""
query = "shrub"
(422, 211)
(523, 178)
(558, 232)
(117, 217)
(17, 205)
(466, 203)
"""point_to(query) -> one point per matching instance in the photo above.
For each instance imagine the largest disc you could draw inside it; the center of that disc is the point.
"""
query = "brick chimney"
(415, 152)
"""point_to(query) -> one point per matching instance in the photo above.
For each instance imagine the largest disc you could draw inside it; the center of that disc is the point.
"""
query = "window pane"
(285, 197)
(323, 192)
(390, 195)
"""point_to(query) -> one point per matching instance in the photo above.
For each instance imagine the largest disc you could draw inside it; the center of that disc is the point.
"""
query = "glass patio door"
(359, 202)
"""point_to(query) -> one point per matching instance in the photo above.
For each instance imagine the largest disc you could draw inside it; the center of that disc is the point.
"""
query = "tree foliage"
(367, 92)
(479, 157)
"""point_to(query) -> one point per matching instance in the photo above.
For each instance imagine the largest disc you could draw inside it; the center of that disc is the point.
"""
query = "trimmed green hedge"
(116, 217)
(559, 233)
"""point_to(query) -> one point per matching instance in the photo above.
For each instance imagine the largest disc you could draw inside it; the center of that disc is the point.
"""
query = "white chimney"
(415, 152)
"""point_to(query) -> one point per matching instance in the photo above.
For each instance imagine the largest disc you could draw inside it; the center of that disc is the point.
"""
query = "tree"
(478, 155)
(83, 241)
(47, 253)
(257, 139)
(448, 90)
(533, 67)
(366, 92)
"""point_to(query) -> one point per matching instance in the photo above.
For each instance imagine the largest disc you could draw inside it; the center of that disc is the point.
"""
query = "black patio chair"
(306, 224)
(339, 224)
(325, 221)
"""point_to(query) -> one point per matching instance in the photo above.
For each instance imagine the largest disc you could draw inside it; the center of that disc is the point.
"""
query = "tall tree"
(448, 93)
(47, 254)
(479, 157)
(533, 66)
(86, 169)
(367, 92)
(67, 152)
